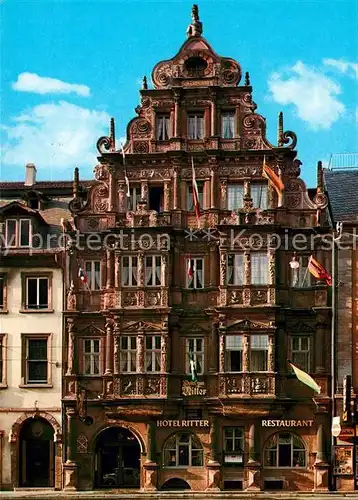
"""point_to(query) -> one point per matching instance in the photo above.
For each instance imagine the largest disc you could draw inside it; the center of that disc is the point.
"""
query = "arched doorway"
(36, 453)
(117, 459)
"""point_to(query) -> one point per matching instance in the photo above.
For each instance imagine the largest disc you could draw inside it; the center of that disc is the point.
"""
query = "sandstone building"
(150, 296)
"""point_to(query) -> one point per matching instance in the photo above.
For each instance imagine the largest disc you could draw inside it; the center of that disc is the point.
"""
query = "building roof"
(342, 188)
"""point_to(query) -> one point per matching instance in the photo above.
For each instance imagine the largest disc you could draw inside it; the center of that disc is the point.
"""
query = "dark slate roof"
(342, 189)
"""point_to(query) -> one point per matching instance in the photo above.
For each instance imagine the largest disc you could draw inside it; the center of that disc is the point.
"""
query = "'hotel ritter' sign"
(287, 423)
(183, 423)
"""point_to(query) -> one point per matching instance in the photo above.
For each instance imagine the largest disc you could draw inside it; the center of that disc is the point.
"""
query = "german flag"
(274, 180)
(318, 271)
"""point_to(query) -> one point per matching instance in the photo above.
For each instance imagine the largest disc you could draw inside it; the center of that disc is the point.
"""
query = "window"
(235, 269)
(195, 273)
(156, 198)
(91, 357)
(285, 450)
(163, 130)
(152, 353)
(259, 195)
(228, 125)
(300, 350)
(133, 199)
(259, 353)
(36, 361)
(233, 353)
(37, 293)
(93, 273)
(129, 271)
(18, 232)
(34, 203)
(301, 277)
(190, 199)
(195, 351)
(153, 270)
(183, 450)
(2, 360)
(235, 196)
(196, 126)
(128, 354)
(234, 444)
(259, 268)
(2, 293)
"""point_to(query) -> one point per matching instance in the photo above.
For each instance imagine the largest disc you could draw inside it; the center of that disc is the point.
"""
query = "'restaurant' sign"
(287, 423)
(183, 423)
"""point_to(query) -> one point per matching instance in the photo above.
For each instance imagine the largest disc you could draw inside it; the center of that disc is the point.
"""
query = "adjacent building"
(31, 324)
(178, 328)
(341, 183)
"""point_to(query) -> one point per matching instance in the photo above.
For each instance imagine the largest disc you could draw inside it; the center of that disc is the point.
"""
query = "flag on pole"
(195, 193)
(190, 268)
(194, 375)
(318, 271)
(125, 171)
(305, 378)
(274, 180)
(82, 275)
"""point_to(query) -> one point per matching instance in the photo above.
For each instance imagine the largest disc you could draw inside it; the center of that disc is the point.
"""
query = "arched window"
(285, 450)
(182, 450)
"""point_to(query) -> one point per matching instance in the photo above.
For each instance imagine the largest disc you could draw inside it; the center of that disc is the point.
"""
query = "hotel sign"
(287, 423)
(183, 423)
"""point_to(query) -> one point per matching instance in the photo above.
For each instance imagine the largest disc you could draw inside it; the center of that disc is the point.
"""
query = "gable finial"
(196, 26)
(319, 176)
(112, 135)
(144, 83)
(247, 79)
(280, 130)
(76, 183)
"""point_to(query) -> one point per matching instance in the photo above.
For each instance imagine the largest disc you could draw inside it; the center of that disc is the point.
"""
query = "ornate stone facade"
(168, 292)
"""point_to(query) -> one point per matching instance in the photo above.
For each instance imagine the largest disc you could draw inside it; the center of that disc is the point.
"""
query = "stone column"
(223, 267)
(111, 189)
(116, 346)
(222, 352)
(321, 478)
(150, 466)
(320, 330)
(164, 353)
(103, 272)
(70, 466)
(212, 189)
(140, 269)
(176, 189)
(177, 115)
(117, 271)
(320, 457)
(140, 352)
(110, 268)
(164, 269)
(175, 348)
(214, 348)
(122, 197)
(71, 369)
(213, 266)
(271, 353)
(245, 354)
(109, 347)
(253, 465)
(213, 465)
(213, 115)
(223, 194)
(166, 196)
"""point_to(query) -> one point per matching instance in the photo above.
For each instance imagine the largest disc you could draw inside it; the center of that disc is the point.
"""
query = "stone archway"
(175, 483)
(15, 445)
(118, 459)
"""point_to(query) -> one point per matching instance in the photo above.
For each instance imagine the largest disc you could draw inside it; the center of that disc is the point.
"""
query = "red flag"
(190, 268)
(318, 271)
(195, 194)
(82, 275)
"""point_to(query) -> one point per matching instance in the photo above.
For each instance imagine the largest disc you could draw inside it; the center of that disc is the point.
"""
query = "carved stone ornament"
(81, 444)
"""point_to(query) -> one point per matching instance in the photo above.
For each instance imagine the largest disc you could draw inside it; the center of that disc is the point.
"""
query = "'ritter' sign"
(193, 388)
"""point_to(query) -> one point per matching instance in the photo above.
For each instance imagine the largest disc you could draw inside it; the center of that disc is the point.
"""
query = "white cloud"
(311, 92)
(351, 68)
(56, 137)
(30, 82)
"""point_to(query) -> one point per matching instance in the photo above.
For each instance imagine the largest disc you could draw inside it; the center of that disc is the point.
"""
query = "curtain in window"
(125, 275)
(228, 125)
(259, 195)
(239, 269)
(259, 268)
(97, 280)
(166, 123)
(235, 196)
(200, 127)
(148, 275)
(160, 128)
(134, 273)
(258, 353)
(158, 271)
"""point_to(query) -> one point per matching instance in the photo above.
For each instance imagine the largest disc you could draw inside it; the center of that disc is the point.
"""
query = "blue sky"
(67, 66)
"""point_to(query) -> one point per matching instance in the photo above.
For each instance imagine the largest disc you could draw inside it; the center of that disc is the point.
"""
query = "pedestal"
(321, 476)
(214, 469)
(70, 476)
(150, 473)
(253, 476)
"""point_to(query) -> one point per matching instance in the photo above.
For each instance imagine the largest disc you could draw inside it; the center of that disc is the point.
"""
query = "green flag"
(194, 375)
(305, 378)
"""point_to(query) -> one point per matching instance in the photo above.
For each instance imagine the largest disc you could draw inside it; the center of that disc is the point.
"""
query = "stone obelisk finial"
(280, 130)
(196, 26)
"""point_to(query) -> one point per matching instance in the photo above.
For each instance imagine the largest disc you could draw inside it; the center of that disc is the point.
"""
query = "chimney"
(30, 176)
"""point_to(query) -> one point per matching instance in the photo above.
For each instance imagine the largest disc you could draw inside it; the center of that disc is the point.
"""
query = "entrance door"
(36, 454)
(118, 459)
